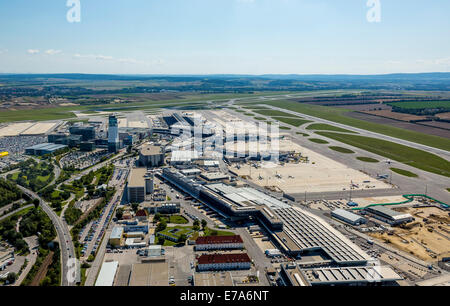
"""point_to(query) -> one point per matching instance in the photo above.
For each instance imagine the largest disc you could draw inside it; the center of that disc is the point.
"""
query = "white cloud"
(52, 52)
(128, 60)
(33, 51)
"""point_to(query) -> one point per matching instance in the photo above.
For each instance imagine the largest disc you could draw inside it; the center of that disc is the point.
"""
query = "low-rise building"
(388, 215)
(216, 262)
(348, 217)
(116, 236)
(218, 243)
(162, 208)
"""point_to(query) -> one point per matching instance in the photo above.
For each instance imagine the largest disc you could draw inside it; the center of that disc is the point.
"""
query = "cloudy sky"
(224, 36)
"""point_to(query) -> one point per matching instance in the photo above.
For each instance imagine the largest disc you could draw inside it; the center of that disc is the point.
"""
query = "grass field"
(175, 219)
(292, 121)
(404, 172)
(326, 127)
(317, 140)
(249, 114)
(404, 154)
(342, 150)
(285, 128)
(209, 232)
(367, 159)
(274, 113)
(421, 104)
(338, 115)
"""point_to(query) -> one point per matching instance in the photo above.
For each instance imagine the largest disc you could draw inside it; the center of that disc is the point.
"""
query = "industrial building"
(219, 243)
(388, 215)
(43, 149)
(151, 156)
(140, 184)
(216, 262)
(339, 276)
(305, 233)
(348, 217)
(107, 274)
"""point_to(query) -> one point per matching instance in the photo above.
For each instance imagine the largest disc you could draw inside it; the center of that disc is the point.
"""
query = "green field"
(292, 121)
(421, 104)
(404, 172)
(214, 232)
(407, 155)
(285, 128)
(342, 150)
(175, 219)
(339, 115)
(367, 159)
(317, 140)
(327, 127)
(249, 114)
(274, 113)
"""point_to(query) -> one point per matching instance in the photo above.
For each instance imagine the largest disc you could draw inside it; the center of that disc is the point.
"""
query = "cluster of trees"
(31, 174)
(36, 221)
(53, 276)
(9, 234)
(9, 192)
(72, 214)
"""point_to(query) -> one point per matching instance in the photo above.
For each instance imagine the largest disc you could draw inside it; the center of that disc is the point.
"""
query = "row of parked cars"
(93, 229)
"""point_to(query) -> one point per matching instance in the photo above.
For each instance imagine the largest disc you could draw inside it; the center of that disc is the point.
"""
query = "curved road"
(64, 237)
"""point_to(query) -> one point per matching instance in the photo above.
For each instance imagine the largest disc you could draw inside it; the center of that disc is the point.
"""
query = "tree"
(11, 278)
(196, 223)
(36, 203)
(161, 226)
(135, 206)
(204, 223)
(182, 239)
(119, 213)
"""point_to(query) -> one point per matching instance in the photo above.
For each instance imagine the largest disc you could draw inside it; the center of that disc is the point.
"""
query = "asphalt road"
(64, 237)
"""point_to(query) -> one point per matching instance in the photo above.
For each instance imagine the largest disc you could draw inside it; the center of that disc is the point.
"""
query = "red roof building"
(223, 258)
(218, 240)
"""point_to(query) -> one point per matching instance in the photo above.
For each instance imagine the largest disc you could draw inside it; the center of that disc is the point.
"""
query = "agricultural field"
(421, 105)
(404, 154)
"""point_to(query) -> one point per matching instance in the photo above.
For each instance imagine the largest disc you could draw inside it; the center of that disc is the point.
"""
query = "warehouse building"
(305, 233)
(43, 149)
(348, 217)
(388, 215)
(107, 274)
(351, 276)
(219, 243)
(216, 262)
(151, 156)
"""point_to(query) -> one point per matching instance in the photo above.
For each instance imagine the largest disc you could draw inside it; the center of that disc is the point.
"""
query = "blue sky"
(224, 36)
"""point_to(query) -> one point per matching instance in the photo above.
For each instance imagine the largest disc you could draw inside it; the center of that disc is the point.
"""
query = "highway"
(64, 237)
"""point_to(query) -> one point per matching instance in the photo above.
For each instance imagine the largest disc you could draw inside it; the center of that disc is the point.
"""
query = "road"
(63, 234)
(15, 211)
